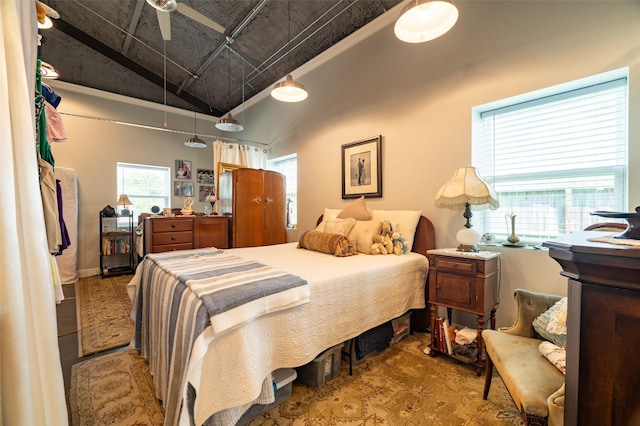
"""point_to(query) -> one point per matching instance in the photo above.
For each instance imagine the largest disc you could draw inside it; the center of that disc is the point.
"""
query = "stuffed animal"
(399, 244)
(386, 232)
(378, 246)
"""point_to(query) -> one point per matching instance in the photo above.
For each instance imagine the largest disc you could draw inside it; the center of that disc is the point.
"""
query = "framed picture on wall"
(183, 169)
(362, 168)
(203, 192)
(183, 189)
(205, 176)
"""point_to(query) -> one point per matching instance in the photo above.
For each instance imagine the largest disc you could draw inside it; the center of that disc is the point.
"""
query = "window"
(554, 158)
(146, 186)
(288, 166)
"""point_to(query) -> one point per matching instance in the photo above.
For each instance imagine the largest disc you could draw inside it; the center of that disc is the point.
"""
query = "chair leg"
(488, 376)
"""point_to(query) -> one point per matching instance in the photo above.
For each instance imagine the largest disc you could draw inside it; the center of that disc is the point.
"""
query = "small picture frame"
(362, 168)
(183, 169)
(183, 189)
(205, 176)
(203, 192)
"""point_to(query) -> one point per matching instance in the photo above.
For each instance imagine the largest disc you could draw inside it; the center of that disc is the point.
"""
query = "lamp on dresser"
(465, 189)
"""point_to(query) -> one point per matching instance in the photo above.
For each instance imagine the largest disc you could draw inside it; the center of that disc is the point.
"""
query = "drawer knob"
(173, 238)
(173, 225)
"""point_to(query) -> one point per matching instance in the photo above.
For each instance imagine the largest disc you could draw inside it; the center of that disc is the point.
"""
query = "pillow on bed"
(361, 235)
(357, 210)
(407, 222)
(337, 226)
(335, 244)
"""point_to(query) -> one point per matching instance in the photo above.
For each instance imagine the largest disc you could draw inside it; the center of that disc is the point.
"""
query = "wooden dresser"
(255, 199)
(185, 232)
(603, 329)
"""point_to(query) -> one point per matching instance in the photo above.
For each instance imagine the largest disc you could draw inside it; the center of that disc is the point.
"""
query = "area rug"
(399, 386)
(103, 309)
(114, 389)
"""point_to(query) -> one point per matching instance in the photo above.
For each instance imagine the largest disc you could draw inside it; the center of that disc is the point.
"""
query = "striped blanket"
(187, 292)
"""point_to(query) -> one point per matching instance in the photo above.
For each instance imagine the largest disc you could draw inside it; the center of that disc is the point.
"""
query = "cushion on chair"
(556, 407)
(526, 373)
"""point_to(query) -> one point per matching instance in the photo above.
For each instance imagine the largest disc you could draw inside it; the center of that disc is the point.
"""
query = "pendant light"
(195, 141)
(289, 90)
(424, 20)
(228, 123)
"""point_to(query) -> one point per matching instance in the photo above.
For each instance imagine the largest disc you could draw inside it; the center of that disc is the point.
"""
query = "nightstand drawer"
(457, 265)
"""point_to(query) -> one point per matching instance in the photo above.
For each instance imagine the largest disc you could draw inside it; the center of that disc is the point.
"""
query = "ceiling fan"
(163, 9)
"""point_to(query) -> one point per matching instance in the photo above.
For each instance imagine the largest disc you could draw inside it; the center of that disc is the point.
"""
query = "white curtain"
(31, 381)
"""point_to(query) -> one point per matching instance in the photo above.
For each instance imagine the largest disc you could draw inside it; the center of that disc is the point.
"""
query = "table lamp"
(465, 189)
(124, 202)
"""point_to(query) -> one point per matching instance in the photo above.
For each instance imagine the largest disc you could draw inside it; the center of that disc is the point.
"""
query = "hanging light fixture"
(164, 5)
(48, 71)
(289, 90)
(424, 20)
(195, 141)
(228, 123)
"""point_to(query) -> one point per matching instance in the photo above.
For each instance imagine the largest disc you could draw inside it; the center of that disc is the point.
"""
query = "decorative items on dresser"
(185, 232)
(603, 329)
(255, 199)
(116, 244)
(465, 281)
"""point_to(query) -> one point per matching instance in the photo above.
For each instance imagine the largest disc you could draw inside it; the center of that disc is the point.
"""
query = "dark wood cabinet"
(467, 282)
(163, 234)
(603, 329)
(255, 199)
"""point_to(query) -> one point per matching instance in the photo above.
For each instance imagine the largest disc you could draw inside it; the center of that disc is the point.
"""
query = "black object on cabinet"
(116, 245)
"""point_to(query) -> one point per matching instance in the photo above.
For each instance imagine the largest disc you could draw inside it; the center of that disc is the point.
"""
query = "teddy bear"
(399, 243)
(386, 232)
(378, 246)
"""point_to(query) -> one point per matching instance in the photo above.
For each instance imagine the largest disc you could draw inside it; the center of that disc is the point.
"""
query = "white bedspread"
(349, 295)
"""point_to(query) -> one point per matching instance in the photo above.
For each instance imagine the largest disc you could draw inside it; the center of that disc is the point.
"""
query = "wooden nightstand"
(468, 282)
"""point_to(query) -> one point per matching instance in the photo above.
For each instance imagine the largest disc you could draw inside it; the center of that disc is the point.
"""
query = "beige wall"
(418, 97)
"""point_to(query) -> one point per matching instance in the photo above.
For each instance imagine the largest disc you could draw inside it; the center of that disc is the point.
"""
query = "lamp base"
(468, 238)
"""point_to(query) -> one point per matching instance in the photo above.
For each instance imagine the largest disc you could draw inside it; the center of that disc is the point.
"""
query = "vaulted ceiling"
(117, 46)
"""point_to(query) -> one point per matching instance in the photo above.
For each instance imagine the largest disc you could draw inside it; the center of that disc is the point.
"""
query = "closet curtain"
(31, 381)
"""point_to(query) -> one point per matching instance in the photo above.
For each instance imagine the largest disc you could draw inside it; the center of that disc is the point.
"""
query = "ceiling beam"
(119, 58)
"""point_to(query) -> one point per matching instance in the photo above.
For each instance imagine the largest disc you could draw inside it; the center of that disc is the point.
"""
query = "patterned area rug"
(114, 389)
(103, 308)
(400, 386)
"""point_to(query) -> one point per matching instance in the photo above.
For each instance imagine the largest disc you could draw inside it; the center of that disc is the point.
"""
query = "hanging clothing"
(65, 241)
(43, 146)
(52, 97)
(49, 197)
(55, 129)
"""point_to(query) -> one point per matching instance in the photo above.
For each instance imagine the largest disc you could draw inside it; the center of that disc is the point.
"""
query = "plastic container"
(323, 368)
(401, 327)
(282, 383)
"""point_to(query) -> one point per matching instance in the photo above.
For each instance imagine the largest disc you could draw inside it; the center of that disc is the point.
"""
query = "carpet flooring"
(399, 386)
(103, 310)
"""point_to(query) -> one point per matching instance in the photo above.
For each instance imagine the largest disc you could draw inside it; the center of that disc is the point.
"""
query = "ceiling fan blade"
(199, 17)
(164, 21)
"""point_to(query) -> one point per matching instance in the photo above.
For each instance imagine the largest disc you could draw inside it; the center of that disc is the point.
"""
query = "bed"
(208, 370)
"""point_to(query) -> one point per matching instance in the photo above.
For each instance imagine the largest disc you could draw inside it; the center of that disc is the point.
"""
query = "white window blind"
(555, 159)
(288, 166)
(146, 186)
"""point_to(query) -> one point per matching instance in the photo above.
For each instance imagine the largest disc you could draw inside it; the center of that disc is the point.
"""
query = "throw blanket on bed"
(196, 290)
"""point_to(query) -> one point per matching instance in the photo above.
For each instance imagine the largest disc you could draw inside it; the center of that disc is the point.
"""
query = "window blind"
(146, 186)
(555, 159)
(289, 168)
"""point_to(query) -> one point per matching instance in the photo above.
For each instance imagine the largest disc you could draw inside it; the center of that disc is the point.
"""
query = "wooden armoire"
(255, 199)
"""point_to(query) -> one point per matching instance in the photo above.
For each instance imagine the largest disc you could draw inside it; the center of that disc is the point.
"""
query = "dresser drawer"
(171, 247)
(172, 225)
(456, 265)
(172, 238)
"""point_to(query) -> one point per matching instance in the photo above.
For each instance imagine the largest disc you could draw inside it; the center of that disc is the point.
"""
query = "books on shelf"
(115, 246)
(447, 336)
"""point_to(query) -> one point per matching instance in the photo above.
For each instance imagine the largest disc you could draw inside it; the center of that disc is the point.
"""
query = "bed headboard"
(424, 238)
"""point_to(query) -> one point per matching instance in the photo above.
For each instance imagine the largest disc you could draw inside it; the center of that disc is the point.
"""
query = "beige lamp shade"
(124, 201)
(467, 187)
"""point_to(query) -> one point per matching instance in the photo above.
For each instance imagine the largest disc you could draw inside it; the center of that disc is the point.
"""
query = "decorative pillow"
(541, 323)
(337, 226)
(555, 354)
(361, 235)
(357, 210)
(335, 244)
(405, 221)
